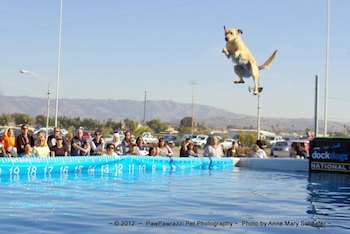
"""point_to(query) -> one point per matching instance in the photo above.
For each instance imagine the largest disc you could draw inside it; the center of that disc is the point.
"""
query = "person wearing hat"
(24, 138)
(59, 149)
(97, 144)
(51, 140)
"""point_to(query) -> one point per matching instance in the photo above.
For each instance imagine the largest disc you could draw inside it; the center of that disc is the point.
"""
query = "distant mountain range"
(165, 110)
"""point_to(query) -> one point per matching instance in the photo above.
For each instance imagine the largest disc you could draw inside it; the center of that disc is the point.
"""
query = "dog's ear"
(224, 28)
(240, 31)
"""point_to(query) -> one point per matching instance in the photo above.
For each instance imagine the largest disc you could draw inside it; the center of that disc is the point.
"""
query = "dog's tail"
(269, 61)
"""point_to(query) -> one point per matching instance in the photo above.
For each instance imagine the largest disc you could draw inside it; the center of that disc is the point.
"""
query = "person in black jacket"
(23, 139)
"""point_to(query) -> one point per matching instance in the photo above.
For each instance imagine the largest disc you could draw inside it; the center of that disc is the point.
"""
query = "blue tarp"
(107, 165)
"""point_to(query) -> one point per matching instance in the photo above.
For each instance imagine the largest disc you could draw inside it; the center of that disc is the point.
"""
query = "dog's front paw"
(225, 51)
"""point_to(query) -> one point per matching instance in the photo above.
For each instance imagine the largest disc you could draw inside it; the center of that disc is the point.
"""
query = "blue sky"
(117, 49)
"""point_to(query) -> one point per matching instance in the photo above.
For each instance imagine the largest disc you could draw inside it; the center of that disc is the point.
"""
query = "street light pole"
(44, 82)
(58, 63)
(325, 133)
(316, 106)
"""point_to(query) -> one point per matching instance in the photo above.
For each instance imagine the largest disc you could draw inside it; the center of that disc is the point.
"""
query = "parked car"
(226, 144)
(186, 136)
(64, 131)
(200, 141)
(172, 141)
(281, 149)
(301, 143)
(148, 138)
(37, 130)
(272, 140)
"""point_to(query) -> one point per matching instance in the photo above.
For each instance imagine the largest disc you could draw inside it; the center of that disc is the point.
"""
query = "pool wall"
(139, 164)
(108, 164)
(274, 164)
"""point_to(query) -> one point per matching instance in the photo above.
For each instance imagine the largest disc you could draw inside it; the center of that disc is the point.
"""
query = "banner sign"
(107, 165)
(330, 155)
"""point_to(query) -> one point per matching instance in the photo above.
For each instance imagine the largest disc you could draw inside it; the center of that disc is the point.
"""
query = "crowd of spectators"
(58, 144)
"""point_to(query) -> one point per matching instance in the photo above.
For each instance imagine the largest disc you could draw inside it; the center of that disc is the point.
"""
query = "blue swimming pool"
(232, 200)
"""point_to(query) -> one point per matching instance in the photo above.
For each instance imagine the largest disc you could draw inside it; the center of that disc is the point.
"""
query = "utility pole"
(258, 118)
(144, 108)
(192, 83)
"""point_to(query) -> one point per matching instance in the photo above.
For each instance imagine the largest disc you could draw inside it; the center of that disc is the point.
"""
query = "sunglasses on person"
(110, 147)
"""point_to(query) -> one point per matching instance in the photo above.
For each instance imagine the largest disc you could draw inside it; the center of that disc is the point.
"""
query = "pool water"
(197, 201)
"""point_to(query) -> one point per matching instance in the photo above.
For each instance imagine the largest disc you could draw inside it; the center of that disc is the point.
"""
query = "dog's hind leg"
(239, 70)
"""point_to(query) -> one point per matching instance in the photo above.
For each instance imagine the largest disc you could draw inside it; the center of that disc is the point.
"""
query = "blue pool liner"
(107, 165)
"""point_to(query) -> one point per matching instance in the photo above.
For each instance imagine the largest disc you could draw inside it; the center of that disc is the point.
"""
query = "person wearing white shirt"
(257, 152)
(213, 149)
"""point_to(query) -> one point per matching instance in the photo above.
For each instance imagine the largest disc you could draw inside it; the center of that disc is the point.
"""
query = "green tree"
(113, 125)
(22, 119)
(52, 122)
(138, 132)
(247, 139)
(186, 122)
(90, 123)
(202, 129)
(157, 125)
(66, 122)
(106, 131)
(130, 124)
(5, 119)
(40, 120)
(185, 130)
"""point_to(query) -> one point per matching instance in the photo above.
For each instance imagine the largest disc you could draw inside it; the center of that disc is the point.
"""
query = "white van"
(272, 140)
(200, 141)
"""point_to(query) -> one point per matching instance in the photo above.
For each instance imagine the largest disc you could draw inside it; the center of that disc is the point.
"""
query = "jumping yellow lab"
(240, 54)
